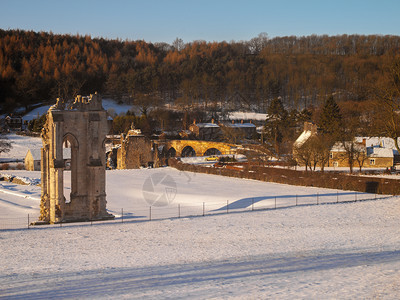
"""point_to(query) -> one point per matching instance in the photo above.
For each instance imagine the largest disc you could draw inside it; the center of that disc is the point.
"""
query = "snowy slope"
(342, 251)
(20, 145)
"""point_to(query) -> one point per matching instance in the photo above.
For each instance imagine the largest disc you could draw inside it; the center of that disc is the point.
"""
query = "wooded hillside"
(303, 71)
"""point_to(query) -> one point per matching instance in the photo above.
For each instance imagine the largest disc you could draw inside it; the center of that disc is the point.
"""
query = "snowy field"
(330, 251)
(348, 250)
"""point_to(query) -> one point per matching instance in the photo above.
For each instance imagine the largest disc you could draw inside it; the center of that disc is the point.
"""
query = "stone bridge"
(184, 148)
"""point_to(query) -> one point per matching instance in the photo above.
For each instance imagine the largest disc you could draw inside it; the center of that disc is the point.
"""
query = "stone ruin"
(81, 126)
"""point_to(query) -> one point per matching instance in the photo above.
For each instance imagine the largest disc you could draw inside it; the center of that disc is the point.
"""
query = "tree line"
(302, 71)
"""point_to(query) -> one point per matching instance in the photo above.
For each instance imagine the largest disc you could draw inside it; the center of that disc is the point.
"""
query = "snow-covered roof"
(241, 125)
(36, 153)
(304, 136)
(338, 146)
(380, 152)
(207, 125)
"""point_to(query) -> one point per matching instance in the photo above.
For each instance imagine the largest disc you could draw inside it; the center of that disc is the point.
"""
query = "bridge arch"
(171, 152)
(188, 151)
(212, 151)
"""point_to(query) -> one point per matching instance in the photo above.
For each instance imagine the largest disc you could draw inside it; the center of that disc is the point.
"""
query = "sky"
(209, 20)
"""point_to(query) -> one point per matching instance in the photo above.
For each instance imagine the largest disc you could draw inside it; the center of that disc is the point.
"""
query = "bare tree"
(145, 102)
(387, 120)
(5, 145)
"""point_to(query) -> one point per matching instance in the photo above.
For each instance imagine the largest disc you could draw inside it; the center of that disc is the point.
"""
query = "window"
(372, 161)
(331, 155)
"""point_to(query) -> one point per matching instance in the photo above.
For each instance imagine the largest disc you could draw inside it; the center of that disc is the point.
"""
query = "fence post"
(296, 199)
(317, 198)
(122, 215)
(355, 196)
(150, 214)
(337, 197)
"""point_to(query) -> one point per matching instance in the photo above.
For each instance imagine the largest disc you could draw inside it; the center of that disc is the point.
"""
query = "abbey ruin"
(82, 127)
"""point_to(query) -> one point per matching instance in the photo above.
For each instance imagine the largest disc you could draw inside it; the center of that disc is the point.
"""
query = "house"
(310, 129)
(236, 132)
(374, 156)
(206, 131)
(13, 123)
(33, 158)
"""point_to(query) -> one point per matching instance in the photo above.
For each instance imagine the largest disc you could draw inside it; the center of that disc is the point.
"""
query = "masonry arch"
(70, 170)
(212, 151)
(80, 128)
(188, 151)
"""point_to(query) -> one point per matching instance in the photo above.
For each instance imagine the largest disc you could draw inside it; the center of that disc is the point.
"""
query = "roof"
(339, 147)
(36, 154)
(304, 136)
(206, 125)
(380, 152)
(242, 125)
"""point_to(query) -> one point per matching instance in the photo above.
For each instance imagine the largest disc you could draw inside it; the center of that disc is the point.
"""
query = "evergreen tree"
(276, 124)
(330, 121)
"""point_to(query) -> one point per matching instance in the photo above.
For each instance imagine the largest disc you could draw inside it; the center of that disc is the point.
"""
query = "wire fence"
(180, 210)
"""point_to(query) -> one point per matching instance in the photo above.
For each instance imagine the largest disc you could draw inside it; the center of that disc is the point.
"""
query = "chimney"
(364, 142)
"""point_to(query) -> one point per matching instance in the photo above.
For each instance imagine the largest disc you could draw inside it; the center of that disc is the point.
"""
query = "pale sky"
(210, 20)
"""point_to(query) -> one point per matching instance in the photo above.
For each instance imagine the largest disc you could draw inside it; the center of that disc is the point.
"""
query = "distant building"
(13, 123)
(242, 129)
(310, 129)
(33, 159)
(206, 131)
(371, 157)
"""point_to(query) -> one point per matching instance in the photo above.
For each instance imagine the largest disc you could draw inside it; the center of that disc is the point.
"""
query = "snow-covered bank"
(344, 251)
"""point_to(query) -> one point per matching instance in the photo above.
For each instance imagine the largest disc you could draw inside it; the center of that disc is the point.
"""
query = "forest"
(302, 71)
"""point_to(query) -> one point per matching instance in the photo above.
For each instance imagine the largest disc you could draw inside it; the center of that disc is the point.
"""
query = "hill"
(303, 71)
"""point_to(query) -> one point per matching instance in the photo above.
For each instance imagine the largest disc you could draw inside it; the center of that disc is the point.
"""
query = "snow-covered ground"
(331, 251)
(20, 146)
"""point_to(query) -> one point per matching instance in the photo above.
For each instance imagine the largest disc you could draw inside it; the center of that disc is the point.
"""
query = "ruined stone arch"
(84, 126)
(74, 145)
(212, 151)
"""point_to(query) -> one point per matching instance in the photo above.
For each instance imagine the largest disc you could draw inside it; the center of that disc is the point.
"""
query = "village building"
(375, 156)
(33, 159)
(244, 130)
(206, 131)
(13, 123)
(310, 129)
(368, 156)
